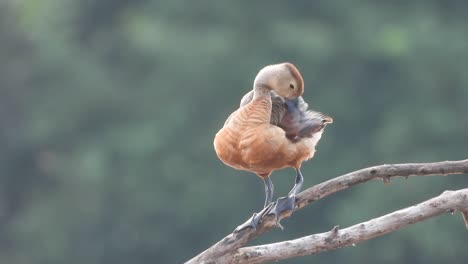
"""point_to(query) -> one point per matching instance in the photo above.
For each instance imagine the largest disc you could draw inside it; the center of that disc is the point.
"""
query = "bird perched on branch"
(272, 129)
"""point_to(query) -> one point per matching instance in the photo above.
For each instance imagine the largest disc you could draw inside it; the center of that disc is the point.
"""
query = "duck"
(271, 130)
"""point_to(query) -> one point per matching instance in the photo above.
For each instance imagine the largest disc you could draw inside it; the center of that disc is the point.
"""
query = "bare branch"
(336, 238)
(236, 240)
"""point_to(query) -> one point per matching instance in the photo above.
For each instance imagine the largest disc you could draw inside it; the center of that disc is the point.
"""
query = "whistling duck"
(272, 130)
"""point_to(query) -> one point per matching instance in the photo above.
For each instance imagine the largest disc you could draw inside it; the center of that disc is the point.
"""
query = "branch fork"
(230, 249)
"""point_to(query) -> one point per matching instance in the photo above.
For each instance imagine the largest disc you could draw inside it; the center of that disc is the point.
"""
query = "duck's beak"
(292, 104)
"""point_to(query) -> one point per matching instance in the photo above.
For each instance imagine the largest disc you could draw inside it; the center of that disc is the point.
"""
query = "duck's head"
(283, 78)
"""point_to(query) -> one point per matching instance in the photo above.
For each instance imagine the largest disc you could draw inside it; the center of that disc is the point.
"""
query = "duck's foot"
(282, 205)
(255, 219)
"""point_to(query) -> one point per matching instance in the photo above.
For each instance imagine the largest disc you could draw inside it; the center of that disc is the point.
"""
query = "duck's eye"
(291, 86)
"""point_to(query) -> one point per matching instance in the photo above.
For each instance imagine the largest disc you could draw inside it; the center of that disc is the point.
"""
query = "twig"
(236, 240)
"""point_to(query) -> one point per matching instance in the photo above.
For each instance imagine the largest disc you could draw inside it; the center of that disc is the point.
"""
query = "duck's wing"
(278, 107)
(299, 122)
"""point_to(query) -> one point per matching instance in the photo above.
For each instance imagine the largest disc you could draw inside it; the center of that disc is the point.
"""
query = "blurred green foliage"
(108, 110)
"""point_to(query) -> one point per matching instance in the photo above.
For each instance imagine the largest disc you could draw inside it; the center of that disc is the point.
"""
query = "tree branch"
(236, 240)
(447, 202)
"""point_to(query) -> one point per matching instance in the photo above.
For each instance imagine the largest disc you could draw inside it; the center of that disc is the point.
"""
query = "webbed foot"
(282, 205)
(255, 219)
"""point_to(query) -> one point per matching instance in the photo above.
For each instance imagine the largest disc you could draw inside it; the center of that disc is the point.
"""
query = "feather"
(278, 108)
(293, 116)
(299, 122)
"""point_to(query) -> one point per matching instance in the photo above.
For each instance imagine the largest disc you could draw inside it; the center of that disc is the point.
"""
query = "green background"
(108, 110)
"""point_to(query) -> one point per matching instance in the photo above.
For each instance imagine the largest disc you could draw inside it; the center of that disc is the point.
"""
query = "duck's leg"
(288, 203)
(253, 221)
(268, 191)
(298, 184)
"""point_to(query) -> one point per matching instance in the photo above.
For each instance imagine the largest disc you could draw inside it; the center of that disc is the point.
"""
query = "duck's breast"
(226, 145)
(264, 148)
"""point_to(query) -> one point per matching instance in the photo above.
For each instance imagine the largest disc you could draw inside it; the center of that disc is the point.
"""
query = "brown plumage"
(272, 130)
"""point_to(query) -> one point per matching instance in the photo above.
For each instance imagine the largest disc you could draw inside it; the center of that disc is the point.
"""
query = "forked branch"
(236, 240)
(449, 201)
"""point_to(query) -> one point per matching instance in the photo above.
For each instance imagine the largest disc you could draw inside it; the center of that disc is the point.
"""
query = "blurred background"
(108, 111)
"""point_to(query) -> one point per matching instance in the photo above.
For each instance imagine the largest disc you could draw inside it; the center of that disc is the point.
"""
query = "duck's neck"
(261, 91)
(260, 107)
